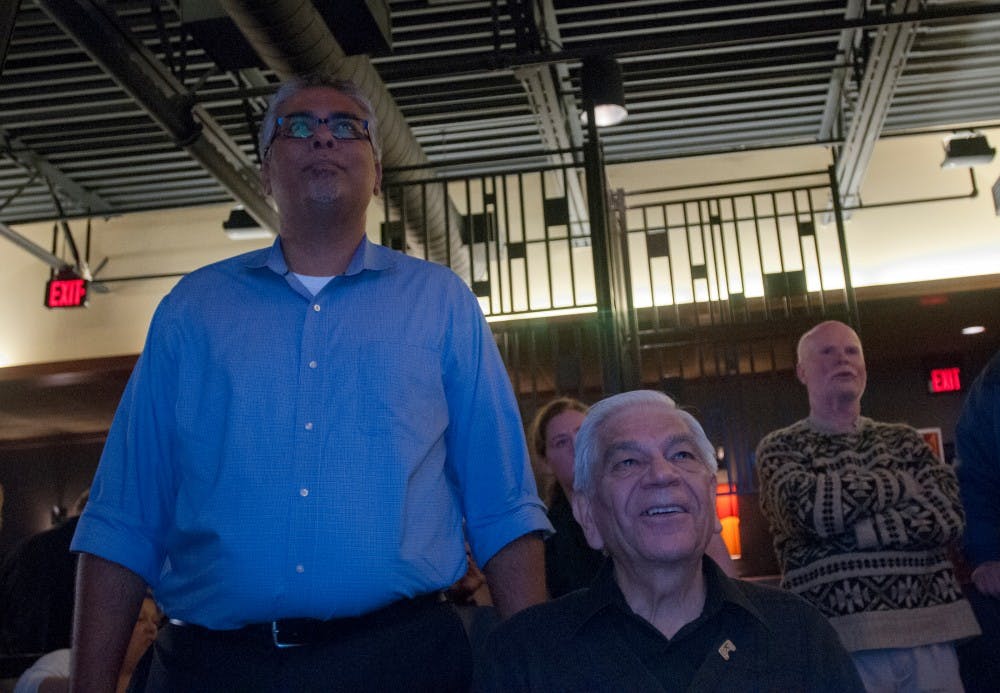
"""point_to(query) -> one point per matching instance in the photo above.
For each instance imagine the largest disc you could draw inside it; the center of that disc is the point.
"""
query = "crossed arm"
(908, 500)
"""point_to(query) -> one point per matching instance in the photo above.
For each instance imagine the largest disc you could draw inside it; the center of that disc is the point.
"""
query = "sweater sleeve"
(802, 496)
(930, 512)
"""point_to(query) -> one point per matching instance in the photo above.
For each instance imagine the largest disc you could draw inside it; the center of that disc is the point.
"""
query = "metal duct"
(293, 39)
(138, 71)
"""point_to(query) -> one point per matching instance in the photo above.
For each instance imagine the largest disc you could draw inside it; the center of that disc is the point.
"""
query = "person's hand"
(464, 591)
(986, 578)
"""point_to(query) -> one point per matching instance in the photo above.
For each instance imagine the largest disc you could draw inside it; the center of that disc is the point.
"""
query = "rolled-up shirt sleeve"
(485, 440)
(131, 499)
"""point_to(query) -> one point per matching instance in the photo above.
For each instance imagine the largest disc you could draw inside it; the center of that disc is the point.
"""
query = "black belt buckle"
(287, 633)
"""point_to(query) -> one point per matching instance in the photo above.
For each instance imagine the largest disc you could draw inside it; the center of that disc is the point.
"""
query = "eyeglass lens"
(303, 125)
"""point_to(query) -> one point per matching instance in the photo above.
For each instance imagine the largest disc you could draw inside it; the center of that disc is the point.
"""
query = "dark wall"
(40, 476)
(898, 392)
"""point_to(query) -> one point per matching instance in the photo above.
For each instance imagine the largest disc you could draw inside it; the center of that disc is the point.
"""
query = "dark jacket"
(977, 438)
(36, 592)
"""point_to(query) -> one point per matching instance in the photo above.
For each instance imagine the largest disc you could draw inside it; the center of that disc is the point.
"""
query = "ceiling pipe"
(95, 28)
(292, 38)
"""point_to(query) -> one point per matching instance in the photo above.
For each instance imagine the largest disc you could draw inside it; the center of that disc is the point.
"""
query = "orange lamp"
(727, 506)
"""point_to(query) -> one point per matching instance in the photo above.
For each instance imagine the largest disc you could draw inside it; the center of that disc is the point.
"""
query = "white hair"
(590, 442)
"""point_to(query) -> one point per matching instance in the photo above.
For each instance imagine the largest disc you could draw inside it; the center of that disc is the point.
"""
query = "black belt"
(293, 632)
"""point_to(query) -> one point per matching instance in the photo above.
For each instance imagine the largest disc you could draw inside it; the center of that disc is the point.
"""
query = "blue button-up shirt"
(278, 454)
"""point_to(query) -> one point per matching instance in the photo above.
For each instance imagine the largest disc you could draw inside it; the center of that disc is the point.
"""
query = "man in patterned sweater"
(861, 513)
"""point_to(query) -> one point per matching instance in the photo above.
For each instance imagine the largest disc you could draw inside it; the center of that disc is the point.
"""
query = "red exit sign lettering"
(945, 380)
(66, 293)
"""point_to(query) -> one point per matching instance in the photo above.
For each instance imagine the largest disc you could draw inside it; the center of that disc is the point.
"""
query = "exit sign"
(66, 290)
(944, 380)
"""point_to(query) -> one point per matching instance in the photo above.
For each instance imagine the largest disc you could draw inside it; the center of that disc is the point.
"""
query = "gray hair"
(590, 442)
(296, 84)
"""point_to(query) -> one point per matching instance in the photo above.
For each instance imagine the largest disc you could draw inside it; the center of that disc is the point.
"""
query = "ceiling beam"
(95, 28)
(834, 93)
(33, 248)
(558, 120)
(8, 12)
(86, 200)
(890, 48)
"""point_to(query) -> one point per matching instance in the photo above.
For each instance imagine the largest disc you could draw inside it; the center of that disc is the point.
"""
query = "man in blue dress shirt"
(311, 433)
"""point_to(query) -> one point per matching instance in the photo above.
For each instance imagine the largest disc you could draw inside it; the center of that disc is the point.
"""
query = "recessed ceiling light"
(973, 329)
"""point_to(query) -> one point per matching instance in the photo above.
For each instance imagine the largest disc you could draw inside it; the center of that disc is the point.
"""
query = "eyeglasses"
(302, 126)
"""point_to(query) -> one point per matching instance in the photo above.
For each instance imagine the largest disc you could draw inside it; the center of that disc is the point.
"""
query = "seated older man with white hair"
(661, 615)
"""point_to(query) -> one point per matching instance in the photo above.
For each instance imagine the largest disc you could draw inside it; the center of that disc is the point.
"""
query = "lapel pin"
(726, 648)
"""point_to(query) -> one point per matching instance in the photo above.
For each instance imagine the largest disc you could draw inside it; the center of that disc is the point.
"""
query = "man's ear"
(800, 373)
(378, 179)
(583, 512)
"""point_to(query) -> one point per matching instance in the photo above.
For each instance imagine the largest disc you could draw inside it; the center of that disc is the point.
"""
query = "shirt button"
(316, 307)
(300, 568)
(312, 364)
(303, 492)
(309, 426)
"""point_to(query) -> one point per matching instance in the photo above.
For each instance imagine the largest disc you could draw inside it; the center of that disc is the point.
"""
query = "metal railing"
(717, 276)
(721, 278)
(528, 248)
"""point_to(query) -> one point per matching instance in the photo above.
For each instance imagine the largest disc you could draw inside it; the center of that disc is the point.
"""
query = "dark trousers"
(426, 649)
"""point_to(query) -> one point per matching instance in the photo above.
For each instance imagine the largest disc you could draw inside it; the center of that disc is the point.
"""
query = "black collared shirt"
(569, 562)
(747, 638)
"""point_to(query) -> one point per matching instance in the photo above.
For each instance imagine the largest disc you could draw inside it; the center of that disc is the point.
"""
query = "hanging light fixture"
(601, 85)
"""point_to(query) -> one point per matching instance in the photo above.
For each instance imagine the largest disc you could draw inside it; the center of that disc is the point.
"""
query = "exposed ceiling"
(114, 106)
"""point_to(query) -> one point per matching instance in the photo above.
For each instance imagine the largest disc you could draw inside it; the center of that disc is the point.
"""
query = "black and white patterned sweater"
(861, 523)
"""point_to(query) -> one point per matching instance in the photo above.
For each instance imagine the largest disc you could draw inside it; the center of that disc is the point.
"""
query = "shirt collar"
(720, 592)
(729, 591)
(367, 256)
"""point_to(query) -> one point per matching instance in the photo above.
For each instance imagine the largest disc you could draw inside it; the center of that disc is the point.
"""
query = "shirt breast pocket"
(402, 392)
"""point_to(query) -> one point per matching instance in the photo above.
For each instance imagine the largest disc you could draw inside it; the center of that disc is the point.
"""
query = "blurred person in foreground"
(977, 440)
(862, 514)
(50, 673)
(311, 433)
(660, 615)
(37, 583)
